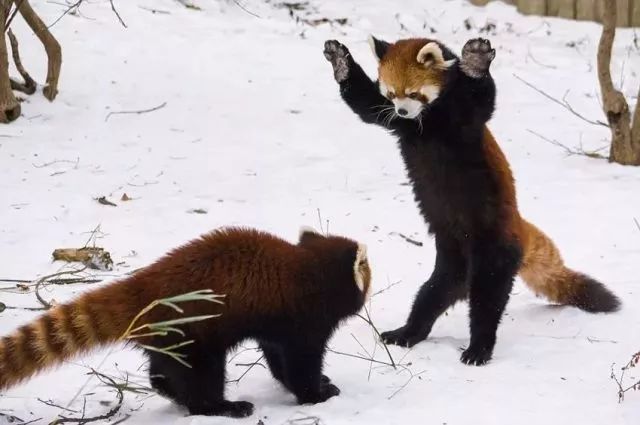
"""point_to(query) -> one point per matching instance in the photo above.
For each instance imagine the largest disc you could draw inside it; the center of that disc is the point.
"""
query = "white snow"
(255, 133)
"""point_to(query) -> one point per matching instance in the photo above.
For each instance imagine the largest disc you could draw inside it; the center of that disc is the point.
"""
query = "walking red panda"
(438, 105)
(290, 298)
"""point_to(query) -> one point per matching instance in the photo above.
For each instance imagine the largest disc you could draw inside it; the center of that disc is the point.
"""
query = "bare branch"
(563, 103)
(570, 151)
(30, 85)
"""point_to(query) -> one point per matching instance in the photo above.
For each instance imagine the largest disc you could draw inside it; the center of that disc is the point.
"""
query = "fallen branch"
(408, 239)
(138, 112)
(563, 103)
(48, 304)
(107, 380)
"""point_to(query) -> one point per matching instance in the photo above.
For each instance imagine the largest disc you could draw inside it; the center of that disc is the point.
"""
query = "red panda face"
(410, 73)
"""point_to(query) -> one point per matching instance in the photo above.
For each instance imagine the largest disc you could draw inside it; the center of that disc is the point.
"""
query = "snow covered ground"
(254, 132)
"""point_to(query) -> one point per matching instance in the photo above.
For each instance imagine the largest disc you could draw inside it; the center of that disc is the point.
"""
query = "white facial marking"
(431, 92)
(361, 255)
(384, 89)
(411, 108)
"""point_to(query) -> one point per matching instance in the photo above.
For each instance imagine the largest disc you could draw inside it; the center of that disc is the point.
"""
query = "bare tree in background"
(625, 133)
(9, 105)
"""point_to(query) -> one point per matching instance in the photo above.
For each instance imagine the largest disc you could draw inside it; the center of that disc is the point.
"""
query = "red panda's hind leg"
(200, 388)
(303, 372)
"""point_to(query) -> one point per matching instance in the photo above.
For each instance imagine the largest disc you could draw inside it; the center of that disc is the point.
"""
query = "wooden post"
(532, 7)
(585, 10)
(634, 19)
(562, 8)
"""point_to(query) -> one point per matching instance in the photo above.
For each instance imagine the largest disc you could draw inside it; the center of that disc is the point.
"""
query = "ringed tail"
(543, 270)
(95, 319)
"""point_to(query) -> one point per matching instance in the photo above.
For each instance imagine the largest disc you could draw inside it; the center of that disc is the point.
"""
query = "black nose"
(402, 112)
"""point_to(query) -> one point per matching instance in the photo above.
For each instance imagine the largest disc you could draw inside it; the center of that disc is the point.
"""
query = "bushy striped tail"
(543, 270)
(94, 319)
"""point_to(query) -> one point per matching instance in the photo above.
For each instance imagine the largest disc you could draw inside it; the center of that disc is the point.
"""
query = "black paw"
(339, 57)
(326, 391)
(476, 355)
(232, 409)
(477, 55)
(324, 379)
(402, 337)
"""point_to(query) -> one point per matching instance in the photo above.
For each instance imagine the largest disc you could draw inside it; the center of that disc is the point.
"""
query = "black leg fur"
(493, 267)
(199, 388)
(274, 356)
(445, 287)
(303, 372)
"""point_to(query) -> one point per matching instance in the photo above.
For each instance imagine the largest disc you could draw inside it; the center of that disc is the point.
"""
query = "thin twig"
(564, 104)
(138, 112)
(46, 304)
(112, 412)
(246, 10)
(408, 239)
(68, 10)
(113, 7)
(385, 289)
(252, 365)
(569, 151)
(375, 329)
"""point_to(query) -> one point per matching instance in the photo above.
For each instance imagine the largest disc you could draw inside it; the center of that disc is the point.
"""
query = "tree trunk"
(51, 47)
(9, 106)
(615, 106)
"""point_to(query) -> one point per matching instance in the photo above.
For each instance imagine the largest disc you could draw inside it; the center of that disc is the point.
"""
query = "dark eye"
(414, 95)
(391, 95)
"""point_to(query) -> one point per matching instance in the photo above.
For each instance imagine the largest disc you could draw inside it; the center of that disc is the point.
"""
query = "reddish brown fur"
(400, 70)
(260, 274)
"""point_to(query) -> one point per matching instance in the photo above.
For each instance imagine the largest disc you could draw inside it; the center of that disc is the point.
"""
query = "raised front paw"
(477, 55)
(477, 355)
(403, 337)
(339, 56)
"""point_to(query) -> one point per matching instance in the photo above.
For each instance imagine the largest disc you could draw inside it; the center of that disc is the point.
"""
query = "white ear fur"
(307, 229)
(372, 45)
(361, 254)
(430, 54)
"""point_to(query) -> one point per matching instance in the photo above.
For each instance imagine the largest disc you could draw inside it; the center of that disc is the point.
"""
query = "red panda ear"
(431, 55)
(378, 47)
(307, 234)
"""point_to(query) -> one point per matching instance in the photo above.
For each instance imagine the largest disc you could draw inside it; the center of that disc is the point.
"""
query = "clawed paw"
(339, 56)
(477, 55)
(476, 356)
(402, 337)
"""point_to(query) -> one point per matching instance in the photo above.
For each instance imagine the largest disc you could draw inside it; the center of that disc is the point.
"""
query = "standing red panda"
(438, 105)
(290, 298)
